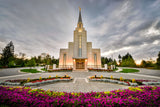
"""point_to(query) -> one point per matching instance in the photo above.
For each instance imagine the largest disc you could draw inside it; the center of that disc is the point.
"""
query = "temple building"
(80, 54)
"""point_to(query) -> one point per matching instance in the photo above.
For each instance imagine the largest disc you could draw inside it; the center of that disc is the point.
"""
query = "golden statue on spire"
(79, 9)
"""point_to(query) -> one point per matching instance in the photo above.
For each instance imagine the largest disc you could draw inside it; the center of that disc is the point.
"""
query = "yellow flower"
(111, 77)
(28, 79)
(133, 80)
(153, 88)
(40, 78)
(119, 90)
(101, 76)
(72, 93)
(107, 92)
(10, 88)
(27, 88)
(135, 89)
(49, 76)
(56, 76)
(17, 87)
(61, 94)
(121, 78)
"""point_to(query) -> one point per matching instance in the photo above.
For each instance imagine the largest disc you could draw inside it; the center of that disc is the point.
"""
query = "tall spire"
(80, 18)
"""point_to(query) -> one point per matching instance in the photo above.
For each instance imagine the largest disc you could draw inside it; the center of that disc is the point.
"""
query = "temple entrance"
(80, 63)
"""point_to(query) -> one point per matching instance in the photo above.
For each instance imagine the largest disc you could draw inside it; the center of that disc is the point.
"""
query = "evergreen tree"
(120, 59)
(110, 60)
(39, 59)
(158, 60)
(57, 62)
(143, 64)
(115, 62)
(106, 60)
(31, 63)
(128, 61)
(11, 64)
(102, 60)
(8, 54)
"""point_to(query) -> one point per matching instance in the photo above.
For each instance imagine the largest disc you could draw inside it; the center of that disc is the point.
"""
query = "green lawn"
(30, 70)
(43, 69)
(115, 69)
(129, 70)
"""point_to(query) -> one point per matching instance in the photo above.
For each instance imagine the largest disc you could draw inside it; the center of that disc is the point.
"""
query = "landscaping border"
(34, 82)
(126, 82)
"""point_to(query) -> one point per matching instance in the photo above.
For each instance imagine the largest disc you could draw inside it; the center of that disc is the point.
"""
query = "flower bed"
(32, 82)
(61, 70)
(132, 97)
(128, 82)
(99, 70)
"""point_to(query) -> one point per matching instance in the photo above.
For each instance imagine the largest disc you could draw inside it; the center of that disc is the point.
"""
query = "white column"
(54, 66)
(111, 67)
(105, 66)
(114, 66)
(47, 67)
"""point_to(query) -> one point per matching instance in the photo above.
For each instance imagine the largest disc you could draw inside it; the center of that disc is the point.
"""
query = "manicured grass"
(30, 70)
(129, 70)
(115, 69)
(44, 69)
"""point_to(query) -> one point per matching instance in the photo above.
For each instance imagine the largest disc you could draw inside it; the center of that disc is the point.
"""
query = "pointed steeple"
(80, 18)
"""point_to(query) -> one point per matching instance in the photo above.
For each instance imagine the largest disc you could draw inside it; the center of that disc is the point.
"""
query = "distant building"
(21, 55)
(44, 55)
(80, 54)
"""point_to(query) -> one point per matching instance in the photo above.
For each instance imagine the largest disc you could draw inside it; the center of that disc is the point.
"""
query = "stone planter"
(151, 83)
(11, 83)
(124, 83)
(47, 81)
(33, 83)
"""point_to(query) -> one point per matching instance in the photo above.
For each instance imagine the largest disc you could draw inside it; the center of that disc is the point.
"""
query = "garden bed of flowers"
(99, 70)
(61, 70)
(33, 82)
(132, 97)
(122, 81)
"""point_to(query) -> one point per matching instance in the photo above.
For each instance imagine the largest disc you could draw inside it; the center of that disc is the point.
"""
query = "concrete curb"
(119, 69)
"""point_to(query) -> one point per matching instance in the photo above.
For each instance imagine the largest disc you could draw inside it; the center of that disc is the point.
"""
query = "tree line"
(8, 59)
(128, 61)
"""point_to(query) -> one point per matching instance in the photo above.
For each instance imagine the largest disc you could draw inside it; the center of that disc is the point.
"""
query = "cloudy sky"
(115, 26)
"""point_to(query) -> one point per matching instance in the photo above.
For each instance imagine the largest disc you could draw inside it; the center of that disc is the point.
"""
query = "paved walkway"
(14, 71)
(82, 85)
(145, 71)
(80, 81)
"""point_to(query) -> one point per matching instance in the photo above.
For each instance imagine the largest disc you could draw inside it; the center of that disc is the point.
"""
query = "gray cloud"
(115, 26)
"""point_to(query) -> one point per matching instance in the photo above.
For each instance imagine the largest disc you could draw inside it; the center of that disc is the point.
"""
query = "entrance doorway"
(80, 63)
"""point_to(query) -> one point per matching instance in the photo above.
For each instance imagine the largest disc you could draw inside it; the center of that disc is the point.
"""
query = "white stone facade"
(80, 54)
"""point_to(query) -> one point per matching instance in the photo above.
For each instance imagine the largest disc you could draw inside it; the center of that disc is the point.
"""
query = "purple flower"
(150, 96)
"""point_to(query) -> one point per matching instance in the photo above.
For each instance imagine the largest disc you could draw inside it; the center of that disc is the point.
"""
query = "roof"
(80, 18)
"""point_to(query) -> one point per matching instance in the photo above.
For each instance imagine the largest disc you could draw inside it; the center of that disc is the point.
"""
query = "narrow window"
(95, 59)
(80, 46)
(64, 59)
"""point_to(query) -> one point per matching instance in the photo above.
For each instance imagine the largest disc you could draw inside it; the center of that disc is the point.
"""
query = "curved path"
(145, 71)
(13, 71)
(80, 81)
